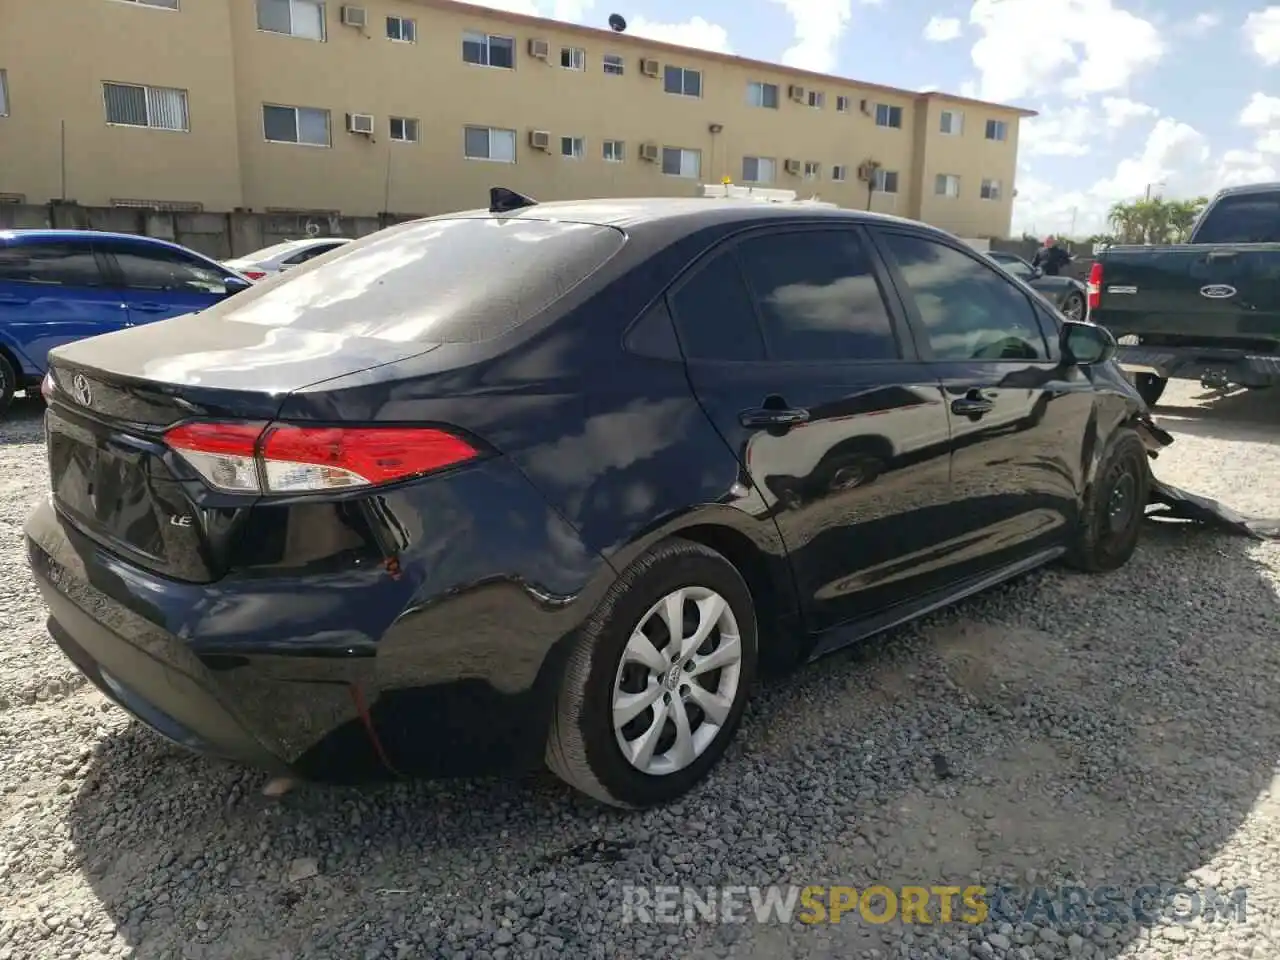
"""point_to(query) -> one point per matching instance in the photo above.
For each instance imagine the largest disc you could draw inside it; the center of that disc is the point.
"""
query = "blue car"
(62, 285)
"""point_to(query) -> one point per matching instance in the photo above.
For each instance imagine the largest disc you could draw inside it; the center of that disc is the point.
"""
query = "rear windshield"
(1242, 218)
(435, 281)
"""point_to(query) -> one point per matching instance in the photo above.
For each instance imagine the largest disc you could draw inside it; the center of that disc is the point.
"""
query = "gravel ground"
(1120, 729)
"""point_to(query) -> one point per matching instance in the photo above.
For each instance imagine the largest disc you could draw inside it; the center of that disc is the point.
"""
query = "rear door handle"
(971, 406)
(1222, 254)
(773, 417)
(150, 307)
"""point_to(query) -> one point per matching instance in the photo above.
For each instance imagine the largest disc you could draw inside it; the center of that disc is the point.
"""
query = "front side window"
(61, 264)
(485, 50)
(402, 29)
(489, 143)
(682, 81)
(969, 310)
(818, 297)
(304, 125)
(295, 18)
(146, 268)
(159, 108)
(678, 162)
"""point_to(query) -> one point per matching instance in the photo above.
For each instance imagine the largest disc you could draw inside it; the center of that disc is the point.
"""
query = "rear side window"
(147, 268)
(818, 296)
(310, 253)
(715, 319)
(55, 264)
(454, 280)
(1242, 218)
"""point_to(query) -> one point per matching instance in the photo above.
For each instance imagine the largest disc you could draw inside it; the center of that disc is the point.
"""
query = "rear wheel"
(1073, 306)
(657, 682)
(1150, 387)
(8, 383)
(1114, 508)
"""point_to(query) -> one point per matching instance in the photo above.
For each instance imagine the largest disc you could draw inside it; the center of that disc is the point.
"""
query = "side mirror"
(1086, 343)
(1035, 274)
(235, 284)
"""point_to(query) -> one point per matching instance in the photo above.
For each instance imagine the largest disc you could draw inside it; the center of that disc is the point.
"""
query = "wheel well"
(748, 559)
(13, 362)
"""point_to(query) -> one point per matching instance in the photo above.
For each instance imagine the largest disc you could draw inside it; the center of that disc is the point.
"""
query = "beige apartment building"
(419, 106)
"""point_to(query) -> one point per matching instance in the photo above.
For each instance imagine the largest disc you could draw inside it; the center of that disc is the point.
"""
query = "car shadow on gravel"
(1062, 729)
(1242, 415)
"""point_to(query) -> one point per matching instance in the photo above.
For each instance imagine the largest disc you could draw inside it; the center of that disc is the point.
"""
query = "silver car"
(281, 256)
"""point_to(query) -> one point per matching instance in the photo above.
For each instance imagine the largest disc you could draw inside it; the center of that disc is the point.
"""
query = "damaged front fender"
(1178, 504)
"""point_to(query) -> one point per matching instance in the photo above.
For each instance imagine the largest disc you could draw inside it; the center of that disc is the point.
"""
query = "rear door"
(53, 291)
(802, 363)
(158, 282)
(1018, 418)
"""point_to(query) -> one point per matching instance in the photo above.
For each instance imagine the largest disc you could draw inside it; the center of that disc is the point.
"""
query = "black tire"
(582, 748)
(1150, 387)
(8, 383)
(1075, 300)
(1108, 534)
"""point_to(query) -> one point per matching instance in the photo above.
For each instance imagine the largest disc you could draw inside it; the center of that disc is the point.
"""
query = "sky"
(1182, 96)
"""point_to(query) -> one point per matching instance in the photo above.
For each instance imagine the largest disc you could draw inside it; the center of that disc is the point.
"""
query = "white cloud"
(1261, 111)
(1262, 30)
(1061, 133)
(942, 29)
(819, 25)
(1121, 111)
(1086, 47)
(695, 32)
(1205, 22)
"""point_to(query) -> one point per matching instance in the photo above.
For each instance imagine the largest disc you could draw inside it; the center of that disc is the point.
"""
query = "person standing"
(1051, 258)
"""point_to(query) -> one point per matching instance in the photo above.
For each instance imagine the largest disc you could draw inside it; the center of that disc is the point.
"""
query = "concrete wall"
(217, 235)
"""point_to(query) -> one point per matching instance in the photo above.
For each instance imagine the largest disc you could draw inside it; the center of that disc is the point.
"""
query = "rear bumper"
(1194, 363)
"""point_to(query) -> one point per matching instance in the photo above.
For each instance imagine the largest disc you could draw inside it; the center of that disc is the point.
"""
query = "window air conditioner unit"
(650, 68)
(540, 139)
(540, 49)
(796, 93)
(650, 152)
(361, 123)
(792, 167)
(354, 17)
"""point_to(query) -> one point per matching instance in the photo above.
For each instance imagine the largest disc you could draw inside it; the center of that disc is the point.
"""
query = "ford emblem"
(80, 388)
(1218, 291)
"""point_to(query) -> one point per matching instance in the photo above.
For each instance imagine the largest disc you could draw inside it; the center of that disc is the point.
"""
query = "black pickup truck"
(1206, 310)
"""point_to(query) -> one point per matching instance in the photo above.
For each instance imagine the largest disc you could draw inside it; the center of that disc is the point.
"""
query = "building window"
(575, 148)
(677, 162)
(4, 94)
(614, 65)
(762, 95)
(488, 143)
(951, 122)
(990, 190)
(840, 172)
(404, 130)
(161, 4)
(997, 130)
(887, 116)
(615, 151)
(307, 125)
(842, 104)
(686, 83)
(817, 99)
(759, 170)
(573, 58)
(159, 108)
(296, 18)
(489, 51)
(885, 181)
(402, 29)
(946, 185)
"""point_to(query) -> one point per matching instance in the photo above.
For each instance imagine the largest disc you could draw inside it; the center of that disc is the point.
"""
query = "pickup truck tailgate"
(1218, 295)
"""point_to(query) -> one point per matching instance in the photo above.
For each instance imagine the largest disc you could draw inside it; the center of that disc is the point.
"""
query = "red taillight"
(254, 274)
(1094, 286)
(296, 459)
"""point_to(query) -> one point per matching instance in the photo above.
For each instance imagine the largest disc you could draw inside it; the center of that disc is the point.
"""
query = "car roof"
(1269, 187)
(45, 234)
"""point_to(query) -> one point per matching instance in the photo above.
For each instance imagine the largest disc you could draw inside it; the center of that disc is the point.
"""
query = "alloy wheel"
(677, 681)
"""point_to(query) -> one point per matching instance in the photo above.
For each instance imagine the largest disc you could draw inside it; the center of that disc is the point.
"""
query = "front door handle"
(971, 406)
(773, 417)
(9, 300)
(150, 307)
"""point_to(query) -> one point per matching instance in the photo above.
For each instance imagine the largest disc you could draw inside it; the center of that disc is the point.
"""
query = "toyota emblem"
(80, 388)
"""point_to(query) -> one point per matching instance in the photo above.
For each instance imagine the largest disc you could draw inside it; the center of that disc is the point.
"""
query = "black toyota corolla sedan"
(549, 483)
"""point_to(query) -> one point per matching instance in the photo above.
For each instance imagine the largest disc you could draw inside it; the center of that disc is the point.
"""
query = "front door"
(803, 365)
(1018, 418)
(52, 292)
